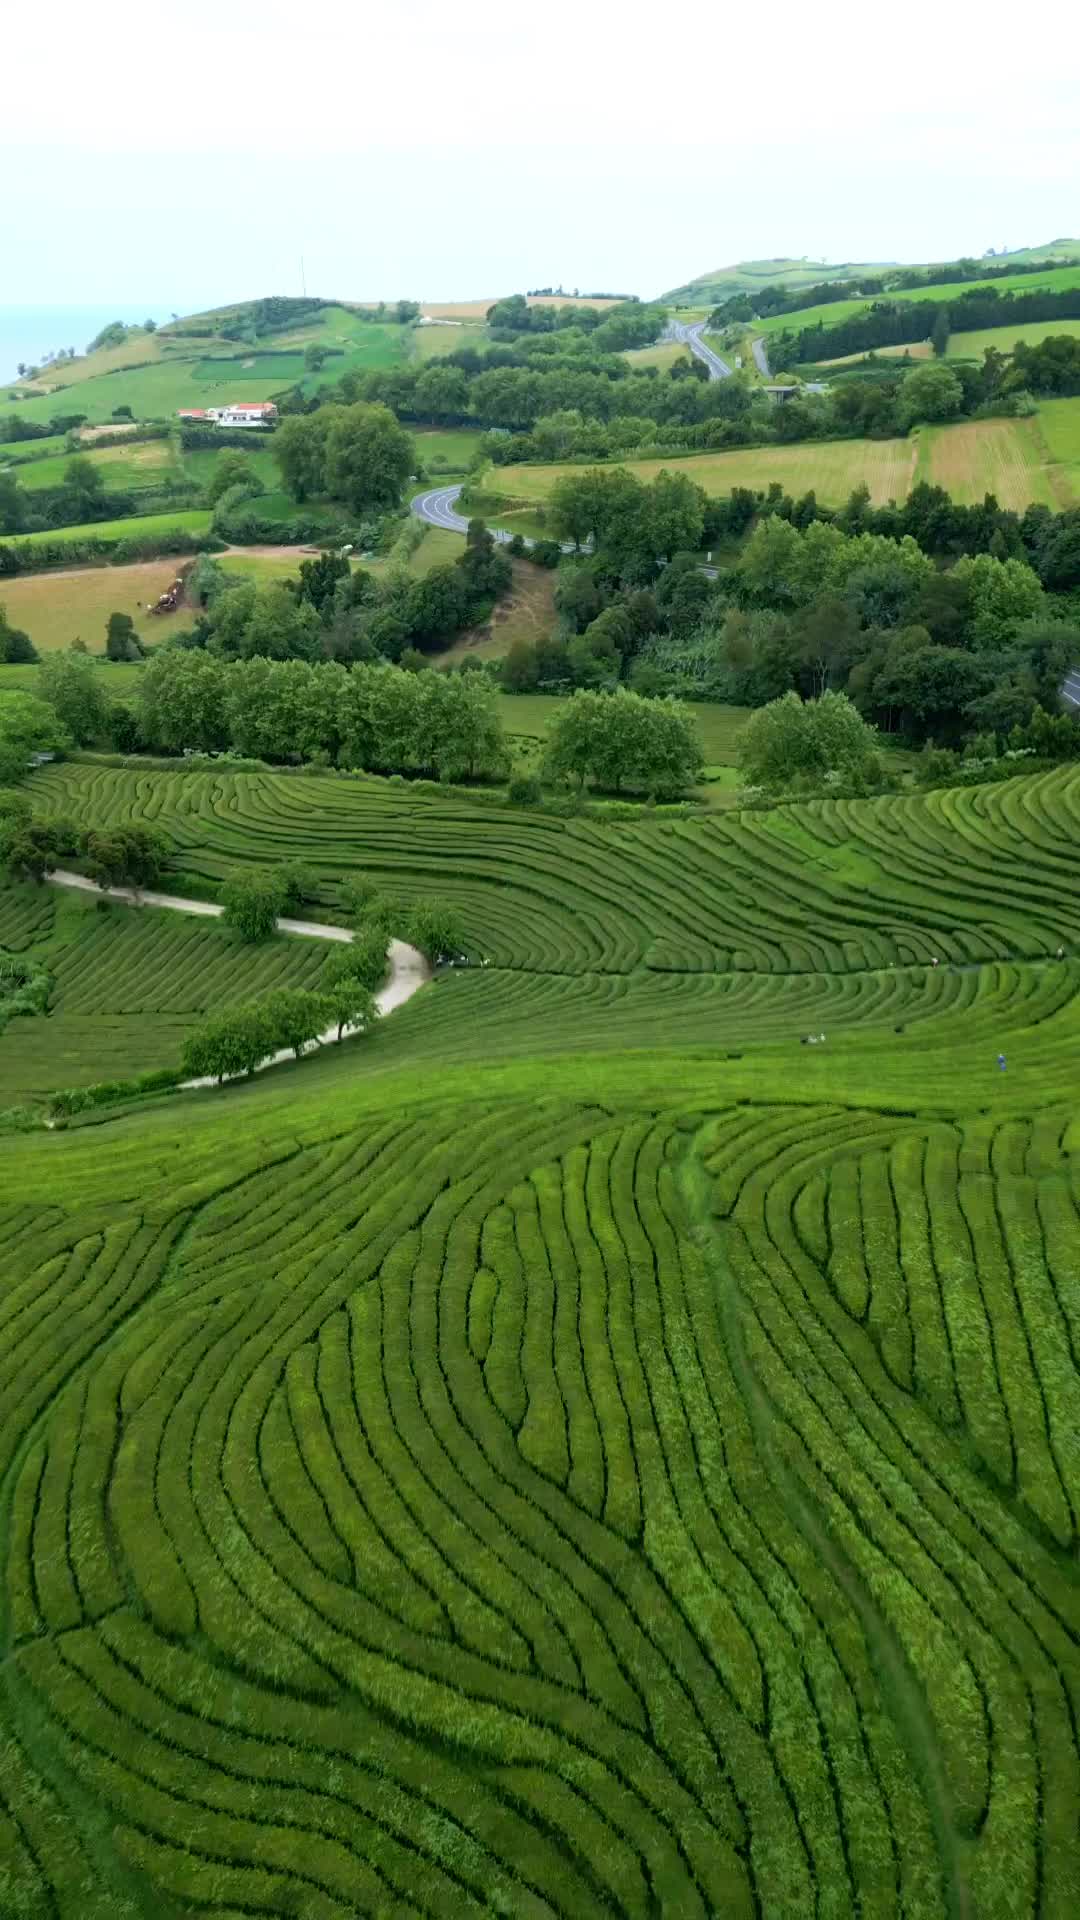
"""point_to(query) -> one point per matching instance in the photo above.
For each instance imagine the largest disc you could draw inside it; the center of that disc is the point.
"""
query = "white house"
(245, 413)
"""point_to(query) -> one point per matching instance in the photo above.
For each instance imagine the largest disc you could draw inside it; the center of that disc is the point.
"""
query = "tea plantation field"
(582, 1451)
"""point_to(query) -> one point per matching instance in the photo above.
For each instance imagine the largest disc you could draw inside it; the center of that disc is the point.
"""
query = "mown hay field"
(62, 606)
(831, 467)
(581, 1452)
(1008, 458)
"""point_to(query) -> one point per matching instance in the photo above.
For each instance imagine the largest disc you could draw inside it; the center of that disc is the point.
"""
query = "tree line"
(892, 323)
(764, 302)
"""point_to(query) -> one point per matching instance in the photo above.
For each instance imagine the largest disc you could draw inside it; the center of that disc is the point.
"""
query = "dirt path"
(408, 969)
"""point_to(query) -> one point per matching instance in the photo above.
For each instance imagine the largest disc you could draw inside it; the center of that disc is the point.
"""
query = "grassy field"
(833, 468)
(446, 450)
(57, 608)
(580, 1451)
(144, 464)
(972, 346)
(1054, 280)
(188, 520)
(525, 613)
(663, 356)
(1012, 459)
(432, 343)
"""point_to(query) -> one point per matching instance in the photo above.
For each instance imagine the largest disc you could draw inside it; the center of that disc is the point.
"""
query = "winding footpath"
(409, 970)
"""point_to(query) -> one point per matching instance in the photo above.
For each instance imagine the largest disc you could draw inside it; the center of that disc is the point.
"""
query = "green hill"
(746, 276)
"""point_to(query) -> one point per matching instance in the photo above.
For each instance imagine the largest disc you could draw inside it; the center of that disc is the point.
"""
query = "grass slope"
(833, 468)
(579, 1453)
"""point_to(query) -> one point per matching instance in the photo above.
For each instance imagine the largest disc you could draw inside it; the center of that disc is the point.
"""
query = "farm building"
(248, 413)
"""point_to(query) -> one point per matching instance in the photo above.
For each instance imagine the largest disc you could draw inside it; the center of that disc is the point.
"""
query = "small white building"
(246, 413)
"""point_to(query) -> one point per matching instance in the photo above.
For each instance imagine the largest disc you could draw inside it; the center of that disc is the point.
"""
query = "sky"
(452, 153)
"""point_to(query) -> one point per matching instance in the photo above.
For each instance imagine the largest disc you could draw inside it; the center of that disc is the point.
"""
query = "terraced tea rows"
(965, 875)
(659, 1517)
(127, 986)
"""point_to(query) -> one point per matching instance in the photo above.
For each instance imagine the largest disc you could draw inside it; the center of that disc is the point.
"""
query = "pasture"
(446, 450)
(972, 346)
(140, 526)
(578, 1452)
(123, 468)
(1053, 280)
(433, 343)
(832, 468)
(1008, 458)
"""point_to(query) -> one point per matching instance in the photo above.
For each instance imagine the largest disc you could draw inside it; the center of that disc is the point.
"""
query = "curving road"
(761, 358)
(691, 337)
(409, 971)
(437, 508)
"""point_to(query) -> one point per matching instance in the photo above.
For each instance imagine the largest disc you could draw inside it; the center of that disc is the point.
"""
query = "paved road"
(1070, 687)
(438, 509)
(761, 358)
(691, 337)
(408, 969)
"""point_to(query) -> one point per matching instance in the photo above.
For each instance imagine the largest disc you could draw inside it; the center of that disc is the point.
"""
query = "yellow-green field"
(526, 613)
(1009, 458)
(832, 468)
(432, 343)
(1054, 280)
(662, 356)
(972, 346)
(189, 520)
(57, 608)
(140, 464)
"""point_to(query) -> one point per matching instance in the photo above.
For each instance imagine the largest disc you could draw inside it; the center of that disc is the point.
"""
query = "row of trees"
(374, 718)
(890, 323)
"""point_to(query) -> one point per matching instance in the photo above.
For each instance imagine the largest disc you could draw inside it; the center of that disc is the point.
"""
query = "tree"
(231, 1042)
(791, 740)
(436, 930)
(253, 904)
(85, 483)
(27, 726)
(369, 457)
(931, 391)
(364, 959)
(127, 856)
(232, 469)
(121, 640)
(181, 702)
(352, 1004)
(16, 647)
(1003, 594)
(73, 685)
(320, 579)
(300, 444)
(12, 504)
(315, 356)
(939, 333)
(296, 1016)
(622, 739)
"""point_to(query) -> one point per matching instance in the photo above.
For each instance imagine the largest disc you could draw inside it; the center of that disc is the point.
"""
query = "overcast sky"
(179, 160)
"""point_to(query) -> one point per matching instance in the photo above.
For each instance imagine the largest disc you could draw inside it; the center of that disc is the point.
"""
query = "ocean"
(26, 333)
